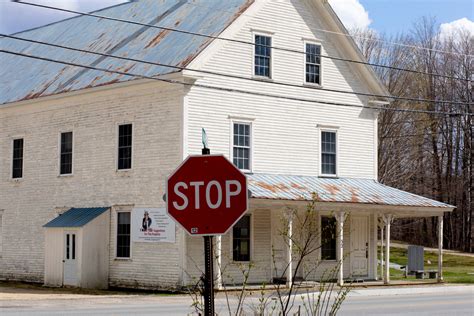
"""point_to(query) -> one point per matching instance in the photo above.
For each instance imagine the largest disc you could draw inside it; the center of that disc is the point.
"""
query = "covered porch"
(264, 247)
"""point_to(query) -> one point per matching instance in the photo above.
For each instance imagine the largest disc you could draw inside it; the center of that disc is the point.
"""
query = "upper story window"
(328, 153)
(241, 145)
(263, 55)
(313, 64)
(66, 154)
(241, 239)
(17, 161)
(124, 159)
(328, 238)
(123, 235)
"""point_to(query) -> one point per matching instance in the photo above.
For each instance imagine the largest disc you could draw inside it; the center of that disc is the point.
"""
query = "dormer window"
(263, 55)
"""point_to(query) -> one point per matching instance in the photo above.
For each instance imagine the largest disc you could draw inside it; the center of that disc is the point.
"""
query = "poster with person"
(152, 225)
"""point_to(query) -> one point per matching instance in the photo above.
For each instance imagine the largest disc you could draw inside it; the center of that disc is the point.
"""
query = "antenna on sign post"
(208, 253)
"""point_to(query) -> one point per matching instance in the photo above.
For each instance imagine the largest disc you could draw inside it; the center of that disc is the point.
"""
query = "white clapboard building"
(84, 153)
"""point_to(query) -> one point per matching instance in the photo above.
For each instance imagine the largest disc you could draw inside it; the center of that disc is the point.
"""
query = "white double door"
(70, 274)
(360, 245)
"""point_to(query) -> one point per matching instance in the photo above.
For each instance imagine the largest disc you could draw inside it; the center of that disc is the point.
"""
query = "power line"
(227, 89)
(235, 40)
(359, 36)
(229, 75)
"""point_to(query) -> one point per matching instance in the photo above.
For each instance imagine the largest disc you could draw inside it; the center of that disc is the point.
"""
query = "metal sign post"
(209, 265)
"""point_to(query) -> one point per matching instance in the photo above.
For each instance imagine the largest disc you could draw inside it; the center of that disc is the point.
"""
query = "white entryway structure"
(76, 248)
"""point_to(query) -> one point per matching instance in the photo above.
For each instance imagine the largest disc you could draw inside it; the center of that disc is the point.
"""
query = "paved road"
(455, 303)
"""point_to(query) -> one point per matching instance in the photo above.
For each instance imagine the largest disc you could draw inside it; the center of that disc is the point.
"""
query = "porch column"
(382, 276)
(440, 248)
(387, 218)
(289, 269)
(219, 262)
(340, 216)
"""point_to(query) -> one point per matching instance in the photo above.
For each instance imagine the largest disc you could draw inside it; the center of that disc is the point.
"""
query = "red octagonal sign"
(206, 195)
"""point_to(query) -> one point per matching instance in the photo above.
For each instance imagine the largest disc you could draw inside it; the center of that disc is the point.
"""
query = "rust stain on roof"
(157, 39)
(331, 188)
(354, 195)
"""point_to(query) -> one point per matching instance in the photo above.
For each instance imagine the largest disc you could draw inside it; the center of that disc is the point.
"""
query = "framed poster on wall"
(152, 225)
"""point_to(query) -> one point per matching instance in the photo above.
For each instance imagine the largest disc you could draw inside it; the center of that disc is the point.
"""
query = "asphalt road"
(459, 303)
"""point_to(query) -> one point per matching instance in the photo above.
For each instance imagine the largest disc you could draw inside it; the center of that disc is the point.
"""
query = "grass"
(456, 269)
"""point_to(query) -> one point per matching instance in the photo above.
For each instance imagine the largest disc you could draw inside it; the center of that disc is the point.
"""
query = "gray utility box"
(415, 259)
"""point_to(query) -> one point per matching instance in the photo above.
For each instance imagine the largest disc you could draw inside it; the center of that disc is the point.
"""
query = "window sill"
(16, 180)
(263, 79)
(333, 176)
(124, 172)
(329, 261)
(69, 175)
(312, 85)
(123, 259)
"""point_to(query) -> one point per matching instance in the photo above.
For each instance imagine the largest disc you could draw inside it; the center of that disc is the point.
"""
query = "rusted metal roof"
(24, 78)
(342, 190)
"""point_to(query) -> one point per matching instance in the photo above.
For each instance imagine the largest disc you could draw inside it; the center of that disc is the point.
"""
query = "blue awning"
(76, 217)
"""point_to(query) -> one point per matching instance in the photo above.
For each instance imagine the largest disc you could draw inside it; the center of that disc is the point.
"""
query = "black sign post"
(209, 268)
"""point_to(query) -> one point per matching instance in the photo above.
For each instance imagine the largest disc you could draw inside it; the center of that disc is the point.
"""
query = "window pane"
(328, 238)
(313, 63)
(125, 147)
(241, 239)
(17, 159)
(66, 153)
(262, 55)
(123, 234)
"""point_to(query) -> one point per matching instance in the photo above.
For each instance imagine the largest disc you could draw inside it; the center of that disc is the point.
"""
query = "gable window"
(313, 64)
(123, 235)
(263, 54)
(328, 238)
(328, 153)
(241, 239)
(17, 162)
(66, 153)
(125, 147)
(241, 145)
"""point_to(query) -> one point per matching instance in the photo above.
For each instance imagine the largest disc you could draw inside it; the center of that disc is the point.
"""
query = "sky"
(384, 16)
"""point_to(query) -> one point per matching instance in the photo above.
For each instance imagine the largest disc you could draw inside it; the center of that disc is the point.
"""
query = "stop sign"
(206, 195)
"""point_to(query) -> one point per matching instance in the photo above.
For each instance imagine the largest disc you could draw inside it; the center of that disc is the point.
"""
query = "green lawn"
(456, 269)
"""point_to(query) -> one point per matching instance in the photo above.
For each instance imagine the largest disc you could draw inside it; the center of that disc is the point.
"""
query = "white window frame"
(320, 167)
(321, 76)
(22, 159)
(117, 135)
(231, 235)
(116, 235)
(231, 154)
(59, 153)
(267, 34)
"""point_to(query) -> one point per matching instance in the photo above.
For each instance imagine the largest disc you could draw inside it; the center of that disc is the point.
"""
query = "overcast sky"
(384, 16)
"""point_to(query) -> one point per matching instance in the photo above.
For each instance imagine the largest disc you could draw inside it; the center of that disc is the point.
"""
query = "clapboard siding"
(285, 133)
(155, 111)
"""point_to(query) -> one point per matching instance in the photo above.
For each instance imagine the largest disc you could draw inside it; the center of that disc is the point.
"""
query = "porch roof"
(342, 190)
(76, 217)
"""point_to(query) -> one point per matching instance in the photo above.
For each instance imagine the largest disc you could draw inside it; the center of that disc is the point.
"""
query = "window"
(1, 232)
(328, 238)
(241, 146)
(66, 153)
(313, 64)
(71, 246)
(241, 239)
(125, 147)
(263, 55)
(123, 235)
(17, 166)
(328, 153)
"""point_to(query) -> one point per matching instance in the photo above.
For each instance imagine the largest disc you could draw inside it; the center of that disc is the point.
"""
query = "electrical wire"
(228, 89)
(229, 75)
(234, 40)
